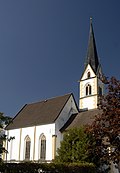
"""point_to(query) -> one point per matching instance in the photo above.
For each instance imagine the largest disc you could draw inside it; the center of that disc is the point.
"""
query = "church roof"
(40, 113)
(81, 119)
(92, 56)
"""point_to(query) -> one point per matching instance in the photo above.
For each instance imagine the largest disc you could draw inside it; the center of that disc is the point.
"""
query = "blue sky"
(43, 46)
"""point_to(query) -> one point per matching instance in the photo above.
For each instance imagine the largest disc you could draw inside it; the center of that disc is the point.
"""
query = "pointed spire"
(92, 57)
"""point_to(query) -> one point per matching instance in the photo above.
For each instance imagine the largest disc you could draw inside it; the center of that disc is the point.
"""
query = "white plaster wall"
(83, 84)
(68, 110)
(88, 69)
(33, 132)
(48, 131)
(13, 145)
(89, 102)
(30, 132)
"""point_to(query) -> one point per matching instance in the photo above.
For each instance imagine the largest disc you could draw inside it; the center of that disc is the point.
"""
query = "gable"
(88, 69)
(44, 112)
(69, 109)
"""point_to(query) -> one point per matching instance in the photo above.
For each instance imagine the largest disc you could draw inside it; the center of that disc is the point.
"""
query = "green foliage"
(4, 120)
(73, 147)
(47, 167)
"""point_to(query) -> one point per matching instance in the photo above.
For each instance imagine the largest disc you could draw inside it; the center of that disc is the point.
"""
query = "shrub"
(47, 168)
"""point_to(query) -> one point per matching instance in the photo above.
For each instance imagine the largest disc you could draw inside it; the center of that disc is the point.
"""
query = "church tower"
(91, 85)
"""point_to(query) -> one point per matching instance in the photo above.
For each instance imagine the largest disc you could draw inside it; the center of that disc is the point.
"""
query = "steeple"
(91, 85)
(92, 56)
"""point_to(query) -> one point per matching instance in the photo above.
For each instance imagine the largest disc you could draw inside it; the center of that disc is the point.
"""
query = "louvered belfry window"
(43, 148)
(27, 148)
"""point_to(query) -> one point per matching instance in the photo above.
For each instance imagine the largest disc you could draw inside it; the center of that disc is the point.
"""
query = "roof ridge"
(44, 100)
(38, 113)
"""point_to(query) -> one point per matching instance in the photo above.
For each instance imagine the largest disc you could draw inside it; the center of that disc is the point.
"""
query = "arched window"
(88, 90)
(27, 147)
(88, 75)
(42, 147)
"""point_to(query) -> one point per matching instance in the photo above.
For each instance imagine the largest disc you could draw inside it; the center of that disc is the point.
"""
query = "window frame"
(88, 90)
(27, 147)
(42, 147)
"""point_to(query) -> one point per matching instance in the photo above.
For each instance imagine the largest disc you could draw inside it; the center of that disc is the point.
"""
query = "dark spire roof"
(92, 57)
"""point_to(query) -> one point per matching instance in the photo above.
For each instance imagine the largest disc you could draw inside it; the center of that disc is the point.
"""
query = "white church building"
(38, 127)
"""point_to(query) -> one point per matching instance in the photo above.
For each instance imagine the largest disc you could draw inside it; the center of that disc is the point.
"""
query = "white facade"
(90, 88)
(17, 147)
(68, 110)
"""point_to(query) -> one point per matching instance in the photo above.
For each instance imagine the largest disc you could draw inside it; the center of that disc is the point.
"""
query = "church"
(37, 129)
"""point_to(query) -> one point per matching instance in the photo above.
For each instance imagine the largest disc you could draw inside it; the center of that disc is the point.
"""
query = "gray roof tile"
(44, 112)
(81, 119)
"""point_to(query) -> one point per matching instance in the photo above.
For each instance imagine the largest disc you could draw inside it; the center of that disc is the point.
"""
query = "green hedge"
(47, 168)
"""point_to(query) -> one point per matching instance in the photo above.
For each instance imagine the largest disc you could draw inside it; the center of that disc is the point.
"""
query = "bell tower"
(90, 84)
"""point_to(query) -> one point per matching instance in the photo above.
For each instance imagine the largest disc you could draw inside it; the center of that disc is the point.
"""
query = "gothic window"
(88, 75)
(88, 90)
(27, 148)
(42, 147)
